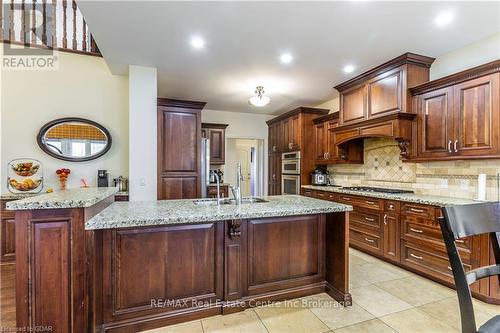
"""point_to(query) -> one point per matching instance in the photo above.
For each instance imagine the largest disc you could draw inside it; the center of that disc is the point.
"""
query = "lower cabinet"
(7, 234)
(409, 235)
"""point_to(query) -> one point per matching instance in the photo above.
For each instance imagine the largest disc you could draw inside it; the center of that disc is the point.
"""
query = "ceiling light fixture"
(348, 69)
(444, 19)
(286, 58)
(259, 100)
(197, 43)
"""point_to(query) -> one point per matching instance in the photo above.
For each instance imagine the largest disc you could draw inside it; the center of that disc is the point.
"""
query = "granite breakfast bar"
(143, 265)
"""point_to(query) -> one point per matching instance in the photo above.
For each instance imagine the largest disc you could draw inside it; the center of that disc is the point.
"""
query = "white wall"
(82, 86)
(142, 133)
(241, 126)
(472, 55)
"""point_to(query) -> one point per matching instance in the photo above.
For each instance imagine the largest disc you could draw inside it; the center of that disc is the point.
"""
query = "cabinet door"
(353, 105)
(272, 138)
(178, 188)
(385, 93)
(391, 245)
(477, 119)
(217, 145)
(332, 149)
(320, 149)
(178, 136)
(7, 237)
(274, 174)
(295, 133)
(286, 134)
(435, 123)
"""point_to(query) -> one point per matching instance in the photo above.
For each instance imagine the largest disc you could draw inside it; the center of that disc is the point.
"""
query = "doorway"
(248, 152)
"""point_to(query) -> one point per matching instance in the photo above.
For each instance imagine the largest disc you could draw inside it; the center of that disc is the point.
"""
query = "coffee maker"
(102, 178)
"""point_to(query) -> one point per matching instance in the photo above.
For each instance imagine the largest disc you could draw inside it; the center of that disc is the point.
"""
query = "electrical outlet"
(444, 183)
(464, 184)
(142, 181)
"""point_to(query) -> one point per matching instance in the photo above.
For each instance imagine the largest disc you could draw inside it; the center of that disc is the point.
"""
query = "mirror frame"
(49, 125)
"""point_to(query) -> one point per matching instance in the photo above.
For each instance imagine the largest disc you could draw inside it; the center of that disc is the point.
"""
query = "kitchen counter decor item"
(62, 175)
(25, 176)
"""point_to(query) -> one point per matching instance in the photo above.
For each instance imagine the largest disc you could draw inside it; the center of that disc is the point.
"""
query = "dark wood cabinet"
(274, 174)
(326, 150)
(292, 131)
(408, 235)
(7, 234)
(459, 115)
(382, 91)
(179, 140)
(223, 191)
(391, 230)
(216, 133)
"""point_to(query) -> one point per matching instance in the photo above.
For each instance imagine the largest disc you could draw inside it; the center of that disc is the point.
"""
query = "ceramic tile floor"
(386, 299)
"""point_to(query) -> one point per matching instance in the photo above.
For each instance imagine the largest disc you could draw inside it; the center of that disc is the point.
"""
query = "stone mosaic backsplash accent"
(383, 167)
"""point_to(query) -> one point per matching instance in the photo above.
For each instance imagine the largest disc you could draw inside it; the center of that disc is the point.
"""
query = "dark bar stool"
(471, 220)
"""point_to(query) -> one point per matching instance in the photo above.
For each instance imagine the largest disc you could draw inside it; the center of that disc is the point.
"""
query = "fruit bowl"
(26, 169)
(25, 185)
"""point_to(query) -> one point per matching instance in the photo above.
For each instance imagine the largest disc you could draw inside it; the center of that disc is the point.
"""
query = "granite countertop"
(17, 196)
(164, 212)
(71, 198)
(433, 200)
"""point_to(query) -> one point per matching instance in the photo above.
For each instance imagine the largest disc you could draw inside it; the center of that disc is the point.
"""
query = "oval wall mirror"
(74, 139)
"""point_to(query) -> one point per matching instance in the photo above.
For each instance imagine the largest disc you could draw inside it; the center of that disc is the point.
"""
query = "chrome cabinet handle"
(290, 145)
(327, 155)
(369, 219)
(416, 257)
(455, 146)
(369, 240)
(450, 268)
(417, 210)
(370, 202)
(324, 156)
(274, 148)
(449, 147)
(459, 241)
(385, 219)
(345, 198)
(416, 230)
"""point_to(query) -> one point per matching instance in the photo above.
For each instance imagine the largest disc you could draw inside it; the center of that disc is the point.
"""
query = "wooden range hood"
(377, 103)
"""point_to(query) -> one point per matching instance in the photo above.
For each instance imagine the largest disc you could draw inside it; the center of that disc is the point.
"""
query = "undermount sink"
(226, 201)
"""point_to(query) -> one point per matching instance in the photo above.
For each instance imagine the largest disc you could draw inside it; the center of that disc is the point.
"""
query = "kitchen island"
(151, 264)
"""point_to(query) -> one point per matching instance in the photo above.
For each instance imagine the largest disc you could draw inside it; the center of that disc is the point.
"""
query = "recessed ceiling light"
(286, 58)
(197, 42)
(348, 69)
(444, 19)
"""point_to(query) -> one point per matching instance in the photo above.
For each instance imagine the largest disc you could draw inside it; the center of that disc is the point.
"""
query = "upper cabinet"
(216, 134)
(459, 115)
(326, 151)
(382, 90)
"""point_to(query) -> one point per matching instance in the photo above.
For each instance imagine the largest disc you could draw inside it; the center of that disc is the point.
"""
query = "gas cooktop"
(376, 189)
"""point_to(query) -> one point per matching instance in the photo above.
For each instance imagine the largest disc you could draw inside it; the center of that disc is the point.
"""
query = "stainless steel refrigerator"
(205, 166)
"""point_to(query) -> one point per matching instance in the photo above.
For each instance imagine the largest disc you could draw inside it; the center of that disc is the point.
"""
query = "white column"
(142, 133)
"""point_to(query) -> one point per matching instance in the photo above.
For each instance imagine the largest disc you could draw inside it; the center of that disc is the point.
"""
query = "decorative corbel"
(403, 147)
(234, 229)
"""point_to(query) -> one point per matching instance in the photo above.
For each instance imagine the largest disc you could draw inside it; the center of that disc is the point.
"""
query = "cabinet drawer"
(365, 240)
(370, 203)
(423, 232)
(415, 210)
(307, 193)
(428, 260)
(366, 219)
(320, 195)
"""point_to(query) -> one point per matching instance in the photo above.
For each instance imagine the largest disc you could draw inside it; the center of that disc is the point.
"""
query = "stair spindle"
(23, 21)
(33, 23)
(84, 35)
(65, 32)
(44, 22)
(54, 23)
(74, 25)
(11, 22)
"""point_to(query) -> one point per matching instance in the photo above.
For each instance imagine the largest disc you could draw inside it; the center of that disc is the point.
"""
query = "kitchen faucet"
(218, 185)
(237, 190)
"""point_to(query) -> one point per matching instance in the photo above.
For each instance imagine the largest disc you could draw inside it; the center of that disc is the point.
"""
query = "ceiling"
(244, 41)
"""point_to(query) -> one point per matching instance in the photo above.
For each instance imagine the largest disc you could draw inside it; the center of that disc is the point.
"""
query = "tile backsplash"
(383, 167)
